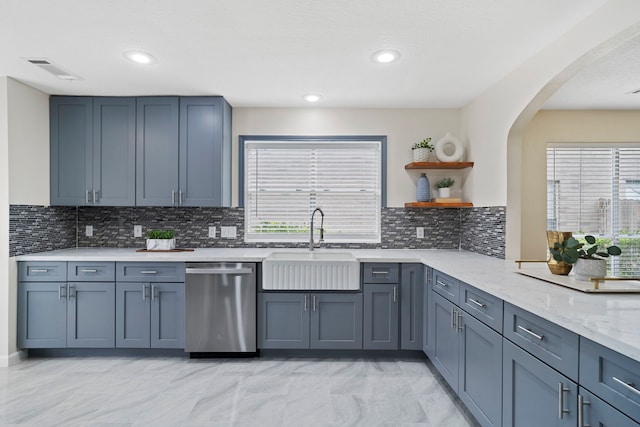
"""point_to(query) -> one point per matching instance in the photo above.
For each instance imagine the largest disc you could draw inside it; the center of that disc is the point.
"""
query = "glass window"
(286, 178)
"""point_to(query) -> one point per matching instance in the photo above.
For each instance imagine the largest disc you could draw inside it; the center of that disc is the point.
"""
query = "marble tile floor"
(265, 392)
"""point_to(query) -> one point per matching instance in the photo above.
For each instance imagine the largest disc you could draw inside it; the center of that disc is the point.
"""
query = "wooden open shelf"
(438, 205)
(438, 165)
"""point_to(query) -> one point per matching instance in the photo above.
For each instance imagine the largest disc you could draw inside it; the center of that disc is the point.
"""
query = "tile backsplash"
(35, 229)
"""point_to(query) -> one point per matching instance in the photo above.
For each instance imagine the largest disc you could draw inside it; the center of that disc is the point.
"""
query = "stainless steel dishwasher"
(220, 307)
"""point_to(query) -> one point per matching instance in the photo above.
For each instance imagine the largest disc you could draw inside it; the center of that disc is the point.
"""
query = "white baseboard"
(13, 359)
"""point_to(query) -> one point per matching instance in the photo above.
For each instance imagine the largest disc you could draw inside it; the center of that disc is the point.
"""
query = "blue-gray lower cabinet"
(411, 306)
(42, 315)
(91, 315)
(292, 320)
(149, 315)
(380, 316)
(593, 411)
(336, 321)
(445, 346)
(534, 394)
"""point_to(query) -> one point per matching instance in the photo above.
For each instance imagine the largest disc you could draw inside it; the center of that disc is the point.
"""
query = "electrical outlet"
(228, 232)
(88, 231)
(420, 232)
(212, 232)
(137, 231)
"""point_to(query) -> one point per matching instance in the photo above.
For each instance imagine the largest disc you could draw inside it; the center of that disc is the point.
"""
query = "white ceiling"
(260, 53)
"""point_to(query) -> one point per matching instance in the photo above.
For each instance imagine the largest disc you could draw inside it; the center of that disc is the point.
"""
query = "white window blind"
(286, 180)
(594, 191)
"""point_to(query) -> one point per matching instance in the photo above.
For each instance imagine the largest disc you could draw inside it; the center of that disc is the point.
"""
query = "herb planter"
(444, 192)
(586, 269)
(161, 244)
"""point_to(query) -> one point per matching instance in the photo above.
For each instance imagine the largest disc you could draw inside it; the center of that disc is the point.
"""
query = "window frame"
(243, 139)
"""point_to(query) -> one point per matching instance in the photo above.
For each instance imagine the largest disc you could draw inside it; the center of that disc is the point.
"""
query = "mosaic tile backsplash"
(113, 227)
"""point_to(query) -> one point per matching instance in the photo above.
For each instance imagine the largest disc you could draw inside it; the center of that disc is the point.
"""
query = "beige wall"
(561, 126)
(29, 145)
(403, 127)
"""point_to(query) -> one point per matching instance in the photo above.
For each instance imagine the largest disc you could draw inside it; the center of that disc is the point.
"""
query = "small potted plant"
(422, 150)
(589, 260)
(160, 240)
(444, 187)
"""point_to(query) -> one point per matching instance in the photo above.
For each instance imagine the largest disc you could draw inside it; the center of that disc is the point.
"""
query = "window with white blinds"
(285, 180)
(595, 190)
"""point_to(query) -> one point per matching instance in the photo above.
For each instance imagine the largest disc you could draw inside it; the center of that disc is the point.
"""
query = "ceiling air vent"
(56, 70)
(633, 92)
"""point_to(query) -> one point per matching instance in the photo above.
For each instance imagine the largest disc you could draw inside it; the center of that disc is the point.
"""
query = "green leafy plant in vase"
(422, 150)
(589, 259)
(160, 240)
(444, 187)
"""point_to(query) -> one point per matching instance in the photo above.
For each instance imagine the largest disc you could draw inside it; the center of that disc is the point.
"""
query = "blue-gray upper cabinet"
(92, 151)
(205, 152)
(534, 394)
(157, 151)
(411, 306)
(183, 151)
(381, 308)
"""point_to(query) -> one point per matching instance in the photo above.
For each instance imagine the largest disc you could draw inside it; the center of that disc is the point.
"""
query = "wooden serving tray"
(166, 250)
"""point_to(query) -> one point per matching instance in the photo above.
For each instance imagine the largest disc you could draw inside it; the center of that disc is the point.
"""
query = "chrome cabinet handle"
(561, 410)
(530, 332)
(314, 303)
(89, 271)
(479, 304)
(443, 284)
(40, 270)
(60, 292)
(88, 197)
(153, 293)
(581, 404)
(95, 198)
(148, 272)
(180, 201)
(71, 292)
(380, 272)
(395, 293)
(306, 302)
(144, 292)
(454, 318)
(628, 386)
(459, 321)
(173, 197)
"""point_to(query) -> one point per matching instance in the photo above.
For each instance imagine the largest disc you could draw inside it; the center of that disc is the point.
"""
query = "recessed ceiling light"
(139, 57)
(386, 56)
(312, 97)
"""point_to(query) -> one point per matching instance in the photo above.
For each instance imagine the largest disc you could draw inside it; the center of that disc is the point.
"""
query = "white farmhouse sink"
(300, 271)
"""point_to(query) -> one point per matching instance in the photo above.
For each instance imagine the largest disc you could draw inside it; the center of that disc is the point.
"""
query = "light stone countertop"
(612, 320)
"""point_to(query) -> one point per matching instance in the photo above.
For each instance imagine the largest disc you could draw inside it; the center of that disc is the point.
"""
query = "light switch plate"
(88, 231)
(228, 232)
(137, 231)
(212, 232)
(420, 232)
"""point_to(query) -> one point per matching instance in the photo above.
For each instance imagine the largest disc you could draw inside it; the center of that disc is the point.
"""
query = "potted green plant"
(422, 150)
(444, 187)
(588, 258)
(160, 240)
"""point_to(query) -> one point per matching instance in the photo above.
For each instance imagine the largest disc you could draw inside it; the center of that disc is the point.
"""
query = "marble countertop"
(609, 319)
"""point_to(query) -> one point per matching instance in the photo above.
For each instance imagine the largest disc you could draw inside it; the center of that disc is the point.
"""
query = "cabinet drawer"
(42, 271)
(554, 345)
(481, 305)
(150, 272)
(381, 273)
(91, 271)
(446, 286)
(596, 412)
(611, 376)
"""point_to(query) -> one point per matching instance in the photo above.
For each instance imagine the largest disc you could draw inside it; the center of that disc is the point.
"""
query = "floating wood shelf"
(438, 165)
(437, 205)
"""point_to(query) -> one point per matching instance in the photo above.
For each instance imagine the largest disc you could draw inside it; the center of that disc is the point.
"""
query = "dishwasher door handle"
(219, 270)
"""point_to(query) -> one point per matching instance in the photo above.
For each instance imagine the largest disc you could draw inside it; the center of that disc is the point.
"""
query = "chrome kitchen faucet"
(312, 245)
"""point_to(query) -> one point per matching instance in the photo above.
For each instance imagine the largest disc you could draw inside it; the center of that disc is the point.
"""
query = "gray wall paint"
(36, 229)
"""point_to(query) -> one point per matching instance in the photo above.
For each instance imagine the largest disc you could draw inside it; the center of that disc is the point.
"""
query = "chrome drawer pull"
(88, 271)
(530, 332)
(39, 270)
(444, 285)
(561, 410)
(628, 386)
(395, 294)
(149, 272)
(479, 304)
(380, 272)
(581, 404)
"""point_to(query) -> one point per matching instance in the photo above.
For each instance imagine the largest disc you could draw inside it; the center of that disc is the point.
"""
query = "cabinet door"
(167, 315)
(71, 125)
(445, 341)
(411, 291)
(204, 153)
(157, 151)
(380, 317)
(598, 413)
(480, 381)
(133, 315)
(336, 321)
(114, 151)
(91, 315)
(283, 320)
(426, 315)
(533, 392)
(42, 315)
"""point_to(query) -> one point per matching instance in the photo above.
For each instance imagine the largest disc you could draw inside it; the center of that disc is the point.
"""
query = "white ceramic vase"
(161, 244)
(444, 192)
(585, 269)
